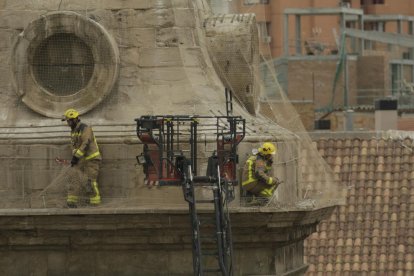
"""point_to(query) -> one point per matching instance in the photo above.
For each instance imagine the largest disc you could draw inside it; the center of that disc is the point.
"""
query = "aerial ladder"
(170, 158)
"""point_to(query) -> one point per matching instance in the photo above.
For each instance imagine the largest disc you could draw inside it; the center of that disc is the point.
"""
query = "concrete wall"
(313, 79)
(373, 78)
(363, 121)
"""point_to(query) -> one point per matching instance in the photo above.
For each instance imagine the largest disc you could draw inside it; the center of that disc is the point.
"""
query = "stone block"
(7, 38)
(129, 56)
(129, 76)
(39, 179)
(201, 78)
(19, 19)
(130, 4)
(14, 263)
(25, 5)
(180, 3)
(106, 18)
(5, 63)
(159, 18)
(134, 37)
(164, 239)
(132, 18)
(7, 151)
(175, 94)
(5, 76)
(193, 57)
(166, 75)
(25, 240)
(186, 37)
(56, 262)
(160, 57)
(79, 263)
(167, 37)
(184, 18)
(126, 19)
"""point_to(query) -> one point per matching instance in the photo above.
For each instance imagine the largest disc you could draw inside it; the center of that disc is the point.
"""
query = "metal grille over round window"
(64, 60)
(63, 64)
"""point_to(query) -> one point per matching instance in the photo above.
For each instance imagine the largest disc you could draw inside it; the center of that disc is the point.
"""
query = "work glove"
(74, 161)
(274, 181)
(278, 181)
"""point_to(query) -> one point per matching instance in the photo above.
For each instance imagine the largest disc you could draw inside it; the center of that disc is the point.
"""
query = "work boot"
(72, 201)
(95, 200)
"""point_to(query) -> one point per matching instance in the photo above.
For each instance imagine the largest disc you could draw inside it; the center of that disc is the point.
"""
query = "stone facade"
(158, 62)
(146, 242)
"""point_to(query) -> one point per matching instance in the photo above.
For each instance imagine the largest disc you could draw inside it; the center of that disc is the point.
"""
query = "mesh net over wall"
(308, 181)
(64, 64)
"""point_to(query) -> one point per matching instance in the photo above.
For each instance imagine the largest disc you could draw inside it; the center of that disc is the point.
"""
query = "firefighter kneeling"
(256, 180)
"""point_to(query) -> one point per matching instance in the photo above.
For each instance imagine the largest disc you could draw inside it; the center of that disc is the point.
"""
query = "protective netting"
(55, 194)
(308, 180)
(64, 64)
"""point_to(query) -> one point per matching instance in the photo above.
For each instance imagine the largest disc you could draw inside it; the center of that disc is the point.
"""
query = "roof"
(374, 231)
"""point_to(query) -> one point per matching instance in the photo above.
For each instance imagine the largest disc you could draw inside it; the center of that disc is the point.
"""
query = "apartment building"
(323, 29)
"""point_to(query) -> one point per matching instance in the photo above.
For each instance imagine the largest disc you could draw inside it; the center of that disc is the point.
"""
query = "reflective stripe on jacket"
(84, 143)
(255, 176)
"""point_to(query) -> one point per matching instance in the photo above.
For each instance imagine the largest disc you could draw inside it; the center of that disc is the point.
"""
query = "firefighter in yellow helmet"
(85, 156)
(256, 173)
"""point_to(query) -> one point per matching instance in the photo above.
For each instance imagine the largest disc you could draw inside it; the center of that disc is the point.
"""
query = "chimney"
(349, 120)
(386, 114)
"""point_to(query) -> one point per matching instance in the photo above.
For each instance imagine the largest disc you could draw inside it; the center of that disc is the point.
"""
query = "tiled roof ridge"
(374, 231)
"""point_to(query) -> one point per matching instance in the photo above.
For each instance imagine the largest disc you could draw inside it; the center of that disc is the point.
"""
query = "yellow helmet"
(268, 148)
(70, 114)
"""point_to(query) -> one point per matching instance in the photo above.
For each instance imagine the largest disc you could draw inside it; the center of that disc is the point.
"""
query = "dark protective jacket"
(84, 143)
(256, 177)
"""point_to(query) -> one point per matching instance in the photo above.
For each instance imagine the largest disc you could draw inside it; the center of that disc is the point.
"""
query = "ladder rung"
(212, 270)
(209, 237)
(207, 220)
(211, 253)
(205, 201)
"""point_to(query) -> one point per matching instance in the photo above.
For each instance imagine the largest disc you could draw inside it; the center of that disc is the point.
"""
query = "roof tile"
(374, 233)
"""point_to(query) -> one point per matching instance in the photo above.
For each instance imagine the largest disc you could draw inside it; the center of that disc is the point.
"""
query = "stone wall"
(163, 63)
(146, 242)
(164, 67)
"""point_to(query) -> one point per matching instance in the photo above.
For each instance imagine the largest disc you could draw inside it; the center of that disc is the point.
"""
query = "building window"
(254, 2)
(372, 2)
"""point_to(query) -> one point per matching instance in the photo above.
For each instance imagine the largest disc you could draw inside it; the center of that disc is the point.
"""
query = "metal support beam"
(342, 27)
(298, 35)
(411, 32)
(388, 38)
(286, 34)
(361, 41)
(399, 26)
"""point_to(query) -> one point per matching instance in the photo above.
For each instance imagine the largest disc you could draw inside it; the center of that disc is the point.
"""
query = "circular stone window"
(63, 64)
(64, 60)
